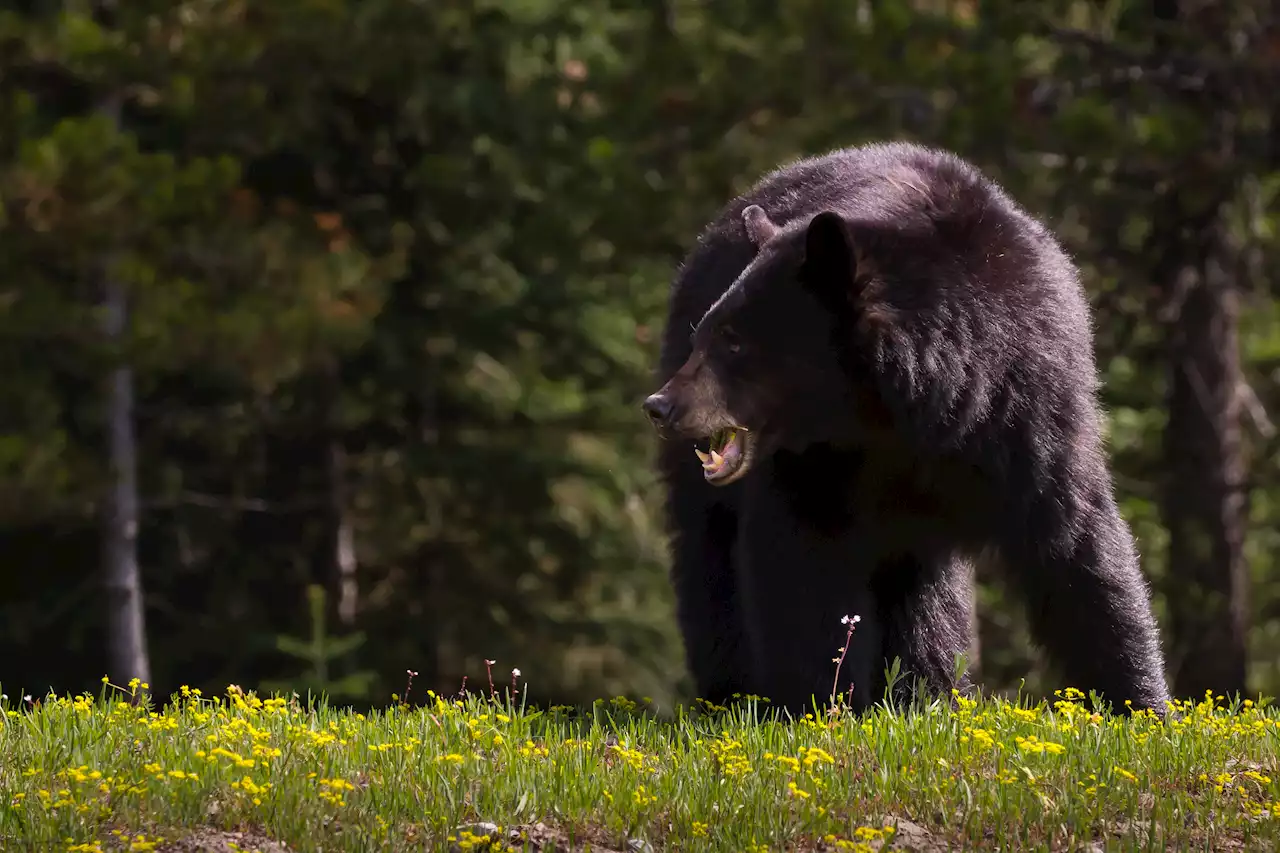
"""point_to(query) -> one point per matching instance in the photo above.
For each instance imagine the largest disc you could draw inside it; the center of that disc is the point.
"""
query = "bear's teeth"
(703, 457)
(717, 459)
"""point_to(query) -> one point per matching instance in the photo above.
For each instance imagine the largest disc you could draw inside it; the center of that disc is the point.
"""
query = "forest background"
(324, 323)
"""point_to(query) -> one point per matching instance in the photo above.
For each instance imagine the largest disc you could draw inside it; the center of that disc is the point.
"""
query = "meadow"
(239, 772)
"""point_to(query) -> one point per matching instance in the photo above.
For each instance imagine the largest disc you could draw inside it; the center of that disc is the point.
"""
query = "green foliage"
(435, 241)
(320, 652)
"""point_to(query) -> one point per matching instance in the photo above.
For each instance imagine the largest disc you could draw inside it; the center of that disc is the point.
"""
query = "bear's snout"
(658, 408)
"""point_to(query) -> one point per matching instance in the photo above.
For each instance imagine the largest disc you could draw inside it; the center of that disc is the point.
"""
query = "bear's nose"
(658, 408)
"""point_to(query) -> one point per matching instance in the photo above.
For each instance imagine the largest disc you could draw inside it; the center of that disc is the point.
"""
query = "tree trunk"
(126, 625)
(344, 546)
(1204, 504)
(127, 654)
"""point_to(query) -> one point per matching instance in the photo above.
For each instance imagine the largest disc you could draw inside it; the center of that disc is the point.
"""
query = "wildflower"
(642, 797)
(981, 738)
(728, 753)
(813, 755)
(252, 788)
(1033, 744)
(531, 750)
(632, 757)
(871, 833)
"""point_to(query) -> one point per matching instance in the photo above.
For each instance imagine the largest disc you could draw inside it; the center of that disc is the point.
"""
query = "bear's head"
(770, 366)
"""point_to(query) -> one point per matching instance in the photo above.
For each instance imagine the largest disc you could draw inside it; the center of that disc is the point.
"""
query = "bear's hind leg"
(1078, 568)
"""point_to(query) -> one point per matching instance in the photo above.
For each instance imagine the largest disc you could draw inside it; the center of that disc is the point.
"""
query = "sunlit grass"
(88, 774)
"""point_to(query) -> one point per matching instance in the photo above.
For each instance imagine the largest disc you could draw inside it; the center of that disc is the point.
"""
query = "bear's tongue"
(724, 448)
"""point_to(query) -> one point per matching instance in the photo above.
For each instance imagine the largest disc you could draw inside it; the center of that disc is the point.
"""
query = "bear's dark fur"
(906, 357)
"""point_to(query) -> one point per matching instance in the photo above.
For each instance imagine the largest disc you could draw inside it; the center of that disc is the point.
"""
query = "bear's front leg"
(703, 522)
(799, 577)
(926, 598)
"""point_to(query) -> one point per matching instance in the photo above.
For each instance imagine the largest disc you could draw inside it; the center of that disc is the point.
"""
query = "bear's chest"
(873, 495)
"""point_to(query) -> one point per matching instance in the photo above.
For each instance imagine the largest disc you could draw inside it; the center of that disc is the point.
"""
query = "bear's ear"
(830, 258)
(760, 228)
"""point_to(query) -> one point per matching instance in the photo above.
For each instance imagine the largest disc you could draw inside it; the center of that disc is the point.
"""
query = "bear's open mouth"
(730, 455)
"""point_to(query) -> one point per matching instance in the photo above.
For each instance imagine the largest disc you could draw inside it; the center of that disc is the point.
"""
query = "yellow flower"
(797, 791)
(642, 797)
(532, 750)
(251, 787)
(867, 834)
(812, 755)
(1033, 744)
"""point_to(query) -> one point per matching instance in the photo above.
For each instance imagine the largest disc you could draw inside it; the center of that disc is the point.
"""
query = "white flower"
(515, 673)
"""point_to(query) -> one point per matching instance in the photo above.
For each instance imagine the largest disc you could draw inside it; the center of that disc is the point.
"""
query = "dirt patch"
(914, 837)
(539, 837)
(220, 841)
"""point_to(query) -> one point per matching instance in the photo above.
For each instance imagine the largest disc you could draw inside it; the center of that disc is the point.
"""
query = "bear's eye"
(731, 340)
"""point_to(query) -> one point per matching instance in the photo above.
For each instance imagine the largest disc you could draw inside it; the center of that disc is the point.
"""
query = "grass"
(107, 773)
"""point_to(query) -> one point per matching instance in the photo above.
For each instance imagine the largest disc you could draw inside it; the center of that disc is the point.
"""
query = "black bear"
(892, 362)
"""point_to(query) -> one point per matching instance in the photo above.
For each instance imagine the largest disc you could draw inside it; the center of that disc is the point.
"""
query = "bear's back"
(992, 247)
(993, 240)
(892, 182)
